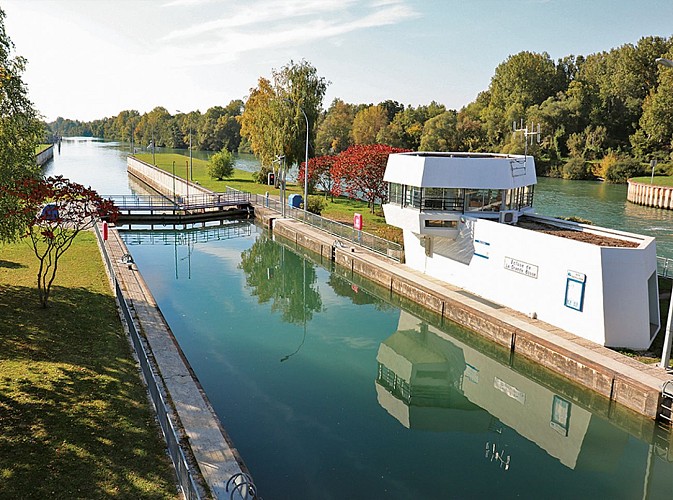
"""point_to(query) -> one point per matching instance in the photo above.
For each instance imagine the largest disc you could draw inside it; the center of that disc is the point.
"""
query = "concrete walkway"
(217, 459)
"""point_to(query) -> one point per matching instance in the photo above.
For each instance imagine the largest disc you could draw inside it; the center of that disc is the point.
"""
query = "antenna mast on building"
(532, 133)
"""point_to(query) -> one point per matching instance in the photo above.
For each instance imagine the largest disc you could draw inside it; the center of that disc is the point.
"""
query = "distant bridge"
(159, 209)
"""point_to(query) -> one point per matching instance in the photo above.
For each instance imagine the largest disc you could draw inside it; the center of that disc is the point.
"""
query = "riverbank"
(74, 417)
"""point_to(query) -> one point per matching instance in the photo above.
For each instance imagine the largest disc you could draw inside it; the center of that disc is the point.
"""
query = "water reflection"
(430, 381)
(270, 274)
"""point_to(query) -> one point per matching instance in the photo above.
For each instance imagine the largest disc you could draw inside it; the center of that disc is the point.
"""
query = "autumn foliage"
(359, 170)
(319, 173)
(55, 210)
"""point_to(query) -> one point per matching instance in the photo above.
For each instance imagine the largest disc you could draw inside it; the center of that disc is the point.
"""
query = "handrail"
(370, 241)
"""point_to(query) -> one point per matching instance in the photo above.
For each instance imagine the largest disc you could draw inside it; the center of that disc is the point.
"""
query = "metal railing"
(184, 475)
(665, 267)
(369, 241)
(151, 203)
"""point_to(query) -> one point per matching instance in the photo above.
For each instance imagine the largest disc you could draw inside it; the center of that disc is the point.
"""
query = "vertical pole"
(191, 169)
(668, 338)
(306, 169)
(174, 181)
(187, 180)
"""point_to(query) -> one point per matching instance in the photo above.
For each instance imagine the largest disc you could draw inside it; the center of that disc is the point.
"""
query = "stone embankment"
(650, 195)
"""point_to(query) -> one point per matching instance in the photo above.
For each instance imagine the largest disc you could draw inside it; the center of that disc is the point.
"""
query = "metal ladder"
(666, 407)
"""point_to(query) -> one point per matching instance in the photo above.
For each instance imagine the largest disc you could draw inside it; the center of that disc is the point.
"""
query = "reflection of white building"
(430, 381)
(468, 219)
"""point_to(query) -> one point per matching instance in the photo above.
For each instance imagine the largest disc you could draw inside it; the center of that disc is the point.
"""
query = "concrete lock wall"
(650, 195)
(162, 181)
(45, 155)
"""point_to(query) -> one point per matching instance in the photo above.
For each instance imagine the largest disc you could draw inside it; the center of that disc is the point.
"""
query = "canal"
(332, 388)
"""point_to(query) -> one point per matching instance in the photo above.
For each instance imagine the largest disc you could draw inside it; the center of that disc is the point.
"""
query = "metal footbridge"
(201, 207)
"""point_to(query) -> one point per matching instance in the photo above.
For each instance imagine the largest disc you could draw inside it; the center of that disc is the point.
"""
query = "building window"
(483, 200)
(452, 224)
(395, 193)
(412, 196)
(519, 198)
(442, 199)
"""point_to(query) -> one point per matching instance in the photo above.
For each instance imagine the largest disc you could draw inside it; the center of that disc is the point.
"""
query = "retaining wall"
(650, 195)
(45, 155)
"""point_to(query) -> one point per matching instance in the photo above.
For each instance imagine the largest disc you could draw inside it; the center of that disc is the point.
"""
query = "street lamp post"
(668, 338)
(305, 156)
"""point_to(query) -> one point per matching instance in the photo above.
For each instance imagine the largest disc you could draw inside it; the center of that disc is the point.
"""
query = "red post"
(104, 231)
(357, 221)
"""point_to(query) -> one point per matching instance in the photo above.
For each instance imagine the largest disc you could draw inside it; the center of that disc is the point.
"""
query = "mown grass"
(340, 209)
(659, 180)
(41, 147)
(74, 416)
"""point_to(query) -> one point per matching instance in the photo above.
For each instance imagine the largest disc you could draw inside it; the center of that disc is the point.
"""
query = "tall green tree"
(20, 132)
(367, 124)
(275, 115)
(334, 131)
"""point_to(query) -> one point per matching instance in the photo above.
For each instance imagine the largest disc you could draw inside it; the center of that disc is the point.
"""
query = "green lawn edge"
(75, 421)
(659, 180)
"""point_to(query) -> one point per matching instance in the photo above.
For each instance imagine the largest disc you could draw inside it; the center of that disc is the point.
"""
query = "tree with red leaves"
(55, 210)
(319, 173)
(359, 172)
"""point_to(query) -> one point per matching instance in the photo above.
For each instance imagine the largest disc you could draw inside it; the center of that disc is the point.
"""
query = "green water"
(331, 388)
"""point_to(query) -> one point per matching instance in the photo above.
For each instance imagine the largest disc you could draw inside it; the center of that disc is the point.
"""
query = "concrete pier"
(650, 195)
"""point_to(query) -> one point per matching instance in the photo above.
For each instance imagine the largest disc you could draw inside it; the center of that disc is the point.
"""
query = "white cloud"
(260, 27)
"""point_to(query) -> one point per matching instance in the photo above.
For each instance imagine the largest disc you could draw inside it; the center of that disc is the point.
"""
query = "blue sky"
(89, 59)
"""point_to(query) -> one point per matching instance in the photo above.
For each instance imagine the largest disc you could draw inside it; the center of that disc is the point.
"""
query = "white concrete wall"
(615, 311)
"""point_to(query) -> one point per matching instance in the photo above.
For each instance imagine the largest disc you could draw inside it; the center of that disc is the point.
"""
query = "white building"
(468, 219)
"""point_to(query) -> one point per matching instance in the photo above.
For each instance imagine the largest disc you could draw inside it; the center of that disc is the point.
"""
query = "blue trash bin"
(294, 200)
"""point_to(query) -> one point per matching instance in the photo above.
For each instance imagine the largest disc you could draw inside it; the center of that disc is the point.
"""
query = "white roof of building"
(461, 170)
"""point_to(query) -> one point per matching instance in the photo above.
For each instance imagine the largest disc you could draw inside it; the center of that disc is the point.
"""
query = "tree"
(56, 211)
(359, 170)
(440, 133)
(299, 88)
(20, 132)
(334, 131)
(260, 122)
(221, 165)
(367, 124)
(319, 173)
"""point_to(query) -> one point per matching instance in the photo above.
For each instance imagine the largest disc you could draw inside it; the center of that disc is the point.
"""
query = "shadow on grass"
(11, 265)
(74, 419)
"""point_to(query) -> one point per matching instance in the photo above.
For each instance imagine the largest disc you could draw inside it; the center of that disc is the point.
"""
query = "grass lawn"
(41, 147)
(340, 209)
(74, 417)
(659, 180)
